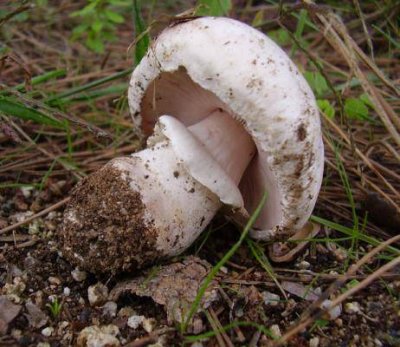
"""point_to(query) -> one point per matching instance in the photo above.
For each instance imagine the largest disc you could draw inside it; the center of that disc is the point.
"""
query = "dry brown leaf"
(8, 311)
(173, 286)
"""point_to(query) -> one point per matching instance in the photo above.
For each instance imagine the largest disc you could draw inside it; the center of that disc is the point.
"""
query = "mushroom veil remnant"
(228, 116)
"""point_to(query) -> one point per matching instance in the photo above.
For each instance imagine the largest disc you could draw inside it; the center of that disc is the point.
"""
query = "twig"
(217, 331)
(220, 327)
(239, 333)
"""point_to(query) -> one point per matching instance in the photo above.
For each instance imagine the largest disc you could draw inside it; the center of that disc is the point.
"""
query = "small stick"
(37, 215)
(220, 328)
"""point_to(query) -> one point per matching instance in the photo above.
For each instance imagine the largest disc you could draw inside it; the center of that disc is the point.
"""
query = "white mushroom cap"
(197, 67)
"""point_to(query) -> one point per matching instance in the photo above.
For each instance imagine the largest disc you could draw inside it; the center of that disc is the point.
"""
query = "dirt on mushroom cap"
(104, 228)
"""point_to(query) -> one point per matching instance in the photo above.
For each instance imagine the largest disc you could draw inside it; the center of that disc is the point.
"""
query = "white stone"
(333, 312)
(48, 331)
(97, 294)
(78, 275)
(276, 331)
(314, 342)
(110, 309)
(95, 336)
(270, 299)
(135, 320)
(304, 265)
(352, 307)
(54, 280)
(149, 324)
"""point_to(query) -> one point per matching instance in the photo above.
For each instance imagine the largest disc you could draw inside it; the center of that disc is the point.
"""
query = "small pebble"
(149, 324)
(97, 294)
(304, 265)
(198, 326)
(270, 299)
(48, 331)
(333, 312)
(135, 321)
(339, 322)
(157, 344)
(78, 275)
(314, 342)
(352, 307)
(16, 334)
(224, 269)
(110, 309)
(43, 344)
(340, 254)
(34, 227)
(276, 331)
(126, 311)
(66, 291)
(51, 215)
(26, 191)
(54, 280)
(61, 327)
(103, 336)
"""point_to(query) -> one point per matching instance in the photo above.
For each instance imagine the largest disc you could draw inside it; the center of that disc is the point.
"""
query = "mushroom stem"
(158, 200)
(227, 142)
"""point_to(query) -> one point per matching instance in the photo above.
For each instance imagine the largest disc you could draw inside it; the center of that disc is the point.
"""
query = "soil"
(104, 228)
(40, 273)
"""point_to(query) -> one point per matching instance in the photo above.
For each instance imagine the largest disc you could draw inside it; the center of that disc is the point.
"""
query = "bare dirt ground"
(348, 51)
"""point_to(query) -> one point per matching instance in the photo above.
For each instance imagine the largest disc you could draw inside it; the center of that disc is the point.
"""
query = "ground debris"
(8, 311)
(174, 286)
(103, 336)
(97, 294)
(36, 317)
(311, 294)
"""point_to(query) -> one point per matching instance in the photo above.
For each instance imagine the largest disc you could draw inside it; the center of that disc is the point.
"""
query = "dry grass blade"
(367, 162)
(332, 28)
(44, 151)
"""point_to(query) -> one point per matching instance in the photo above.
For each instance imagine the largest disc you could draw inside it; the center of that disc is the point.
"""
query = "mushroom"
(228, 116)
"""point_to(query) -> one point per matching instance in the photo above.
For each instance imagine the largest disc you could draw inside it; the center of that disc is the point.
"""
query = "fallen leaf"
(173, 286)
(8, 311)
(36, 317)
(300, 290)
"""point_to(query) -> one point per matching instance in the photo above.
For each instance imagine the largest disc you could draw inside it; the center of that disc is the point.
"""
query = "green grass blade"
(47, 76)
(299, 30)
(260, 256)
(213, 7)
(225, 258)
(350, 232)
(143, 43)
(12, 108)
(53, 100)
(118, 89)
